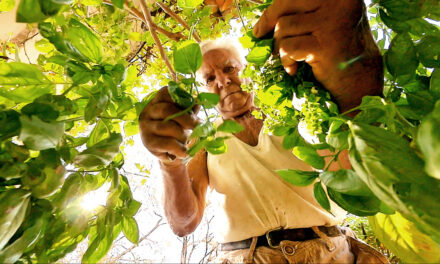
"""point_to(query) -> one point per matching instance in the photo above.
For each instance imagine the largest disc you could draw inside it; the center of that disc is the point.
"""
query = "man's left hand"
(326, 34)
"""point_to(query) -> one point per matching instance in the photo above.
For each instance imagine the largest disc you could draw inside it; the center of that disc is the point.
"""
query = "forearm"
(180, 203)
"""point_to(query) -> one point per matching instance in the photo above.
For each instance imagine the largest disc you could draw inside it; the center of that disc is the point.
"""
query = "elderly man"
(262, 218)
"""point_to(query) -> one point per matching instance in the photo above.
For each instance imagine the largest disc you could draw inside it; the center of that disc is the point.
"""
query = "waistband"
(273, 237)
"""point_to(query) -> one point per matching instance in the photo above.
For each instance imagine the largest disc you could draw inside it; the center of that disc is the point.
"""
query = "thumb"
(266, 23)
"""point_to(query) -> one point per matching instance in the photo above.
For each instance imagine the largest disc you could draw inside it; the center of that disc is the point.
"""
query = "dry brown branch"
(158, 223)
(138, 14)
(149, 23)
(256, 2)
(178, 18)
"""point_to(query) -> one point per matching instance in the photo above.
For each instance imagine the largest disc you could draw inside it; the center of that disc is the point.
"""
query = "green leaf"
(401, 58)
(7, 5)
(321, 196)
(208, 100)
(95, 106)
(403, 239)
(434, 85)
(194, 149)
(358, 205)
(337, 137)
(100, 154)
(310, 156)
(428, 139)
(132, 208)
(39, 135)
(118, 3)
(402, 9)
(230, 126)
(189, 3)
(345, 181)
(428, 50)
(216, 146)
(203, 130)
(9, 124)
(98, 133)
(260, 52)
(298, 177)
(83, 42)
(44, 111)
(130, 229)
(187, 57)
(23, 83)
(179, 95)
(101, 244)
(29, 11)
(421, 101)
(131, 128)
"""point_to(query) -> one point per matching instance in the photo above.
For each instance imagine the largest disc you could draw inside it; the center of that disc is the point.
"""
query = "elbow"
(183, 225)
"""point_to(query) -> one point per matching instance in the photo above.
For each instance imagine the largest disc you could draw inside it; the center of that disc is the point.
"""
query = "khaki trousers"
(340, 249)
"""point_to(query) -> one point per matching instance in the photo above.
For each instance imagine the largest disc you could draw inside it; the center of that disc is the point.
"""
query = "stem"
(149, 22)
(68, 89)
(335, 157)
(167, 10)
(239, 14)
(178, 114)
(79, 118)
(197, 91)
(351, 110)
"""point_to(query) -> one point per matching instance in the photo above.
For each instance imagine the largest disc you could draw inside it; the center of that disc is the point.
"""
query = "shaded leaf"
(321, 196)
(298, 177)
(39, 135)
(345, 181)
(310, 156)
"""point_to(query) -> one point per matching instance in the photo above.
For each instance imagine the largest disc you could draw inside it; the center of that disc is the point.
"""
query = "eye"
(210, 79)
(228, 69)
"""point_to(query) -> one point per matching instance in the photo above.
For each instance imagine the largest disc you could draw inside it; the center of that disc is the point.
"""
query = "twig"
(239, 13)
(178, 18)
(149, 23)
(158, 223)
(138, 14)
(258, 2)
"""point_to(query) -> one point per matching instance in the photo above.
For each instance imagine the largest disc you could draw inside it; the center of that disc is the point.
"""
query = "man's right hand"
(167, 140)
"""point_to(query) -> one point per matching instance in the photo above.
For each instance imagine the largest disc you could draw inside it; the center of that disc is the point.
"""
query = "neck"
(252, 127)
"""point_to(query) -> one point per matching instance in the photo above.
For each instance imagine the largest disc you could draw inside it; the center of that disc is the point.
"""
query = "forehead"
(217, 59)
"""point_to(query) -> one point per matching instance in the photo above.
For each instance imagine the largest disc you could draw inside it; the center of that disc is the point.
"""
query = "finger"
(279, 8)
(167, 145)
(162, 96)
(301, 48)
(295, 25)
(168, 129)
(161, 111)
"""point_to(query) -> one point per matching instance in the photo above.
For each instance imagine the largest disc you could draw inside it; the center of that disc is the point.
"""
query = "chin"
(231, 113)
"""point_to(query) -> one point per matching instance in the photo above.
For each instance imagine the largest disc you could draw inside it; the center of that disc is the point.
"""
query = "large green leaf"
(22, 83)
(358, 205)
(434, 86)
(208, 100)
(403, 239)
(230, 126)
(428, 139)
(130, 229)
(401, 58)
(100, 154)
(39, 135)
(9, 124)
(298, 177)
(321, 196)
(81, 39)
(187, 57)
(428, 50)
(260, 52)
(345, 181)
(310, 156)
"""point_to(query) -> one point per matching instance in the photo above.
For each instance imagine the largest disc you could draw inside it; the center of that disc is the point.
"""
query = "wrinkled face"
(220, 70)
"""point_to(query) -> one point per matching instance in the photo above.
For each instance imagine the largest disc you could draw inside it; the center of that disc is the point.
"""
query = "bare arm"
(185, 185)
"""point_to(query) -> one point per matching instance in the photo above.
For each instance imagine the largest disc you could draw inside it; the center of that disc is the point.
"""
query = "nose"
(223, 80)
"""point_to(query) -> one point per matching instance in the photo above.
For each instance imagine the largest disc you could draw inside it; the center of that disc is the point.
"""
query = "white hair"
(229, 44)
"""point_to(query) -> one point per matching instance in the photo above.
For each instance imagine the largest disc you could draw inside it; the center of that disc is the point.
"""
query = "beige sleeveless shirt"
(251, 198)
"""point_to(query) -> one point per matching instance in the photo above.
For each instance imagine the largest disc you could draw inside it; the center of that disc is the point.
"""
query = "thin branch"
(138, 14)
(158, 223)
(149, 22)
(258, 2)
(178, 18)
